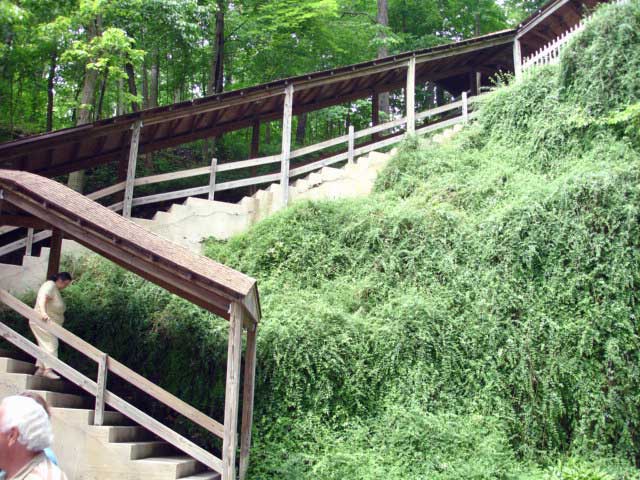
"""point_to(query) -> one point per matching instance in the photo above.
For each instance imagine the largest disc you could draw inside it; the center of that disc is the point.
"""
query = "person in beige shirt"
(50, 305)
(25, 431)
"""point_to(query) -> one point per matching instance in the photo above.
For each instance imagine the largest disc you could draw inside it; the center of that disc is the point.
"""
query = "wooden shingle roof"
(201, 280)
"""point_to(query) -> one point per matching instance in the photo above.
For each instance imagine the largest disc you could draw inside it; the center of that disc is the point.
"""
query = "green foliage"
(476, 317)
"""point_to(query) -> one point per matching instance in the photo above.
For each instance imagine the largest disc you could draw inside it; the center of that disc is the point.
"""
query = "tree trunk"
(153, 87)
(383, 21)
(216, 80)
(103, 87)
(50, 81)
(76, 179)
(145, 83)
(133, 90)
(120, 102)
(301, 128)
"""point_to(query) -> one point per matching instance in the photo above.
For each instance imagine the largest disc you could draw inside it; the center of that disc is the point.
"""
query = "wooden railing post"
(411, 96)
(131, 168)
(247, 400)
(55, 251)
(232, 393)
(212, 179)
(517, 58)
(352, 143)
(29, 248)
(286, 144)
(98, 417)
(465, 107)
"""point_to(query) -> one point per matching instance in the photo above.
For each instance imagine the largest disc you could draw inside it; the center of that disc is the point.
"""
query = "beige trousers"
(46, 341)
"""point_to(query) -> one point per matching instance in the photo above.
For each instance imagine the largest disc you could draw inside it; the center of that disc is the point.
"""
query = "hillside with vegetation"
(477, 317)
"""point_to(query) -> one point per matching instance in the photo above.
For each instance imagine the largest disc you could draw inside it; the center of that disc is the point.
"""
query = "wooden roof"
(204, 282)
(63, 151)
(550, 21)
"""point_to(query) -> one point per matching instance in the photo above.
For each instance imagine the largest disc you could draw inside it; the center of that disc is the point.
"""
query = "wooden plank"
(319, 146)
(165, 177)
(54, 253)
(105, 192)
(212, 180)
(286, 143)
(319, 164)
(98, 417)
(537, 20)
(29, 247)
(162, 197)
(352, 141)
(247, 399)
(18, 244)
(465, 107)
(411, 96)
(436, 111)
(517, 58)
(274, 177)
(446, 123)
(232, 393)
(131, 169)
(114, 366)
(380, 128)
(253, 162)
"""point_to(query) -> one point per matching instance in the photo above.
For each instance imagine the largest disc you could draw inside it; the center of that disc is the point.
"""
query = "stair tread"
(203, 476)
(171, 459)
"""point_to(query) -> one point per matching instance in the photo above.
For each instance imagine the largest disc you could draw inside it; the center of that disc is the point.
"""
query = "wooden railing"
(396, 127)
(549, 54)
(99, 389)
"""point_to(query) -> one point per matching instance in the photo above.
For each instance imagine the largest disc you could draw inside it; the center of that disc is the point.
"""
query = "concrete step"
(178, 466)
(140, 450)
(203, 476)
(19, 382)
(208, 207)
(82, 416)
(10, 365)
(65, 400)
(120, 434)
(330, 174)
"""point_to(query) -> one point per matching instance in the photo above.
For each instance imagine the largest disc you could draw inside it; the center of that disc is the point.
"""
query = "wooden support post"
(54, 253)
(375, 113)
(352, 143)
(410, 92)
(29, 248)
(286, 144)
(255, 140)
(212, 179)
(473, 83)
(98, 417)
(247, 400)
(517, 58)
(465, 107)
(232, 393)
(131, 168)
(478, 83)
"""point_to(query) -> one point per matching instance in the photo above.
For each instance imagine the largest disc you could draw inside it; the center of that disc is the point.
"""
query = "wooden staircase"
(116, 450)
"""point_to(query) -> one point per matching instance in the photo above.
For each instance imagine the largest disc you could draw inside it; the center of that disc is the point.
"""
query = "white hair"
(30, 419)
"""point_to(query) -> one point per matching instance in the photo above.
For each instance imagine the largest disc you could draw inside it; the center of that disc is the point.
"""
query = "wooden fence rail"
(104, 396)
(397, 127)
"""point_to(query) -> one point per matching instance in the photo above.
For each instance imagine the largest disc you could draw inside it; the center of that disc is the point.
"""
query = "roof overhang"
(198, 279)
(63, 151)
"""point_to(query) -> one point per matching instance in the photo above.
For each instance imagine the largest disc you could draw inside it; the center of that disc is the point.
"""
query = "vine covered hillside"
(475, 318)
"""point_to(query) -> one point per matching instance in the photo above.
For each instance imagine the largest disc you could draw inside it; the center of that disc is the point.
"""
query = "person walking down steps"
(50, 305)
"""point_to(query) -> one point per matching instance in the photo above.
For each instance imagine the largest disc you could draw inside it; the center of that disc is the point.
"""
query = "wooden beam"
(23, 221)
(286, 144)
(29, 247)
(98, 417)
(232, 393)
(410, 92)
(131, 169)
(536, 21)
(517, 58)
(54, 253)
(247, 399)
(212, 179)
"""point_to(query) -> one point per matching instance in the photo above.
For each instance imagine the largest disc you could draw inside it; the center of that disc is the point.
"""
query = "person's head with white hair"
(25, 431)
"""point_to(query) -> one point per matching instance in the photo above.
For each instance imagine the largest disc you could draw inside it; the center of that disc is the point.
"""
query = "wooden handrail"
(162, 197)
(114, 366)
